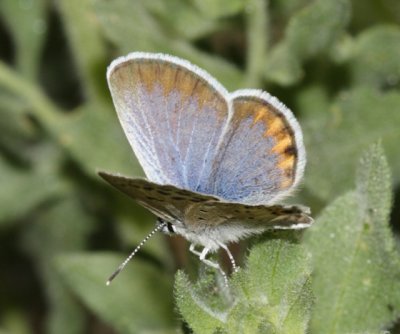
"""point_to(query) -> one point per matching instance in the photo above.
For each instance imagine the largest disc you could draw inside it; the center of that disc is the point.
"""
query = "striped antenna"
(123, 264)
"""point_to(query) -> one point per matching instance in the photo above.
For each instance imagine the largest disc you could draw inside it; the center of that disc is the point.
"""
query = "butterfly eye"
(170, 228)
(167, 228)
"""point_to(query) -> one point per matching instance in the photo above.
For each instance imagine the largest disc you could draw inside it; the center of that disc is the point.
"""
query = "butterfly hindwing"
(216, 213)
(262, 156)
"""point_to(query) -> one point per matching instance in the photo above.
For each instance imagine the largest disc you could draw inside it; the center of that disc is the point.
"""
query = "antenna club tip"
(108, 283)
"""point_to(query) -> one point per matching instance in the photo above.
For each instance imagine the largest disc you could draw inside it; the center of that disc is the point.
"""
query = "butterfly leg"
(193, 250)
(202, 256)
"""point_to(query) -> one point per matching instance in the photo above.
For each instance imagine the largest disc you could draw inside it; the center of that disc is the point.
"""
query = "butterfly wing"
(173, 114)
(259, 217)
(261, 157)
(165, 201)
(204, 219)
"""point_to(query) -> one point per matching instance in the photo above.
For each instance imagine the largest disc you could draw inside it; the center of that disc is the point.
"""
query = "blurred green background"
(336, 64)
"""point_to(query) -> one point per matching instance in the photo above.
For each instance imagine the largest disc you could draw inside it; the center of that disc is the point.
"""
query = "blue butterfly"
(216, 162)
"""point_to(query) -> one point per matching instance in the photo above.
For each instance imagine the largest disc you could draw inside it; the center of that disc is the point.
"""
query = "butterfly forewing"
(165, 201)
(173, 114)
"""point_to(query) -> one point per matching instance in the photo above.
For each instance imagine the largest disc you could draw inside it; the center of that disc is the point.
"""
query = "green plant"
(354, 287)
(334, 63)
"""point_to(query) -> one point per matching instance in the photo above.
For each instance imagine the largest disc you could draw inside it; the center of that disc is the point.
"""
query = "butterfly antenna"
(123, 264)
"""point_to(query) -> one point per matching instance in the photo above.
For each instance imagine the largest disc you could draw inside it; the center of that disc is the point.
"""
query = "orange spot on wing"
(282, 144)
(286, 162)
(185, 84)
(262, 114)
(286, 183)
(147, 74)
(167, 78)
(274, 127)
(171, 77)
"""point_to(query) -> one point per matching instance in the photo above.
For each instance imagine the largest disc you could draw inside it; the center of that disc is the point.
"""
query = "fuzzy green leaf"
(27, 22)
(317, 26)
(92, 134)
(219, 8)
(14, 322)
(87, 45)
(130, 27)
(274, 294)
(271, 295)
(368, 13)
(283, 67)
(313, 30)
(288, 8)
(25, 187)
(96, 133)
(182, 18)
(64, 226)
(200, 316)
(375, 60)
(139, 300)
(357, 275)
(356, 120)
(16, 130)
(257, 19)
(312, 100)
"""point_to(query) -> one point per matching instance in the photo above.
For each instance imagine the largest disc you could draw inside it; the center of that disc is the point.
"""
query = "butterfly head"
(166, 227)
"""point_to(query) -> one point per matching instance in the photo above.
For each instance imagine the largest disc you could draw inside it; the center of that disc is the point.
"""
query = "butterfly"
(216, 162)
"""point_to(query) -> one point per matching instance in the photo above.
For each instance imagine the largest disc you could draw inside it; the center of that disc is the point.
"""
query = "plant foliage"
(334, 63)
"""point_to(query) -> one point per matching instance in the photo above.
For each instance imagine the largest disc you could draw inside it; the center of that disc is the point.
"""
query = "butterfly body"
(216, 162)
